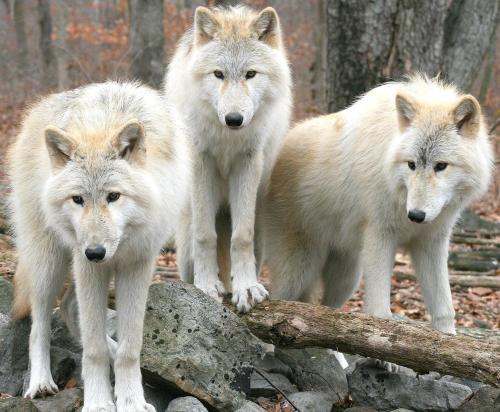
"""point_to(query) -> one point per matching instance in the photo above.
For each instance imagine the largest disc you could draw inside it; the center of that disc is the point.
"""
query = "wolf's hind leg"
(47, 264)
(132, 285)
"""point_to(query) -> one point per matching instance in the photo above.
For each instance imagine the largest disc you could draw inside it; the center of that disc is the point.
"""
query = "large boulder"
(312, 401)
(6, 293)
(386, 391)
(68, 400)
(186, 404)
(17, 405)
(197, 346)
(486, 399)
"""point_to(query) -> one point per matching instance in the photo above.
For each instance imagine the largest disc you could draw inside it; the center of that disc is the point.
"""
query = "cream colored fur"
(90, 142)
(232, 61)
(342, 189)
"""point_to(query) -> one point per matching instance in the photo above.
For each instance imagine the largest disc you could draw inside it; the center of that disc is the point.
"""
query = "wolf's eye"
(411, 165)
(440, 166)
(113, 197)
(78, 200)
(219, 74)
(250, 74)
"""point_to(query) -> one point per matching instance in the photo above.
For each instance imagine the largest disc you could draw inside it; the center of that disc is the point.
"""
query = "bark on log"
(492, 282)
(300, 325)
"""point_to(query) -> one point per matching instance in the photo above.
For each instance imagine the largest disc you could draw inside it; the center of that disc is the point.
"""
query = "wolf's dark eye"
(411, 165)
(78, 200)
(113, 197)
(250, 74)
(440, 166)
(219, 74)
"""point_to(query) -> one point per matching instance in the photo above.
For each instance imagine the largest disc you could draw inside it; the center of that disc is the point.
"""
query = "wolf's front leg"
(430, 260)
(92, 280)
(204, 204)
(132, 283)
(46, 267)
(378, 253)
(243, 187)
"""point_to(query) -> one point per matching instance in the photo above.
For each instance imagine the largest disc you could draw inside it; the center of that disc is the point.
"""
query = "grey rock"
(6, 293)
(486, 399)
(17, 405)
(402, 410)
(250, 407)
(4, 320)
(312, 401)
(186, 404)
(157, 396)
(261, 387)
(385, 391)
(474, 385)
(315, 369)
(68, 400)
(270, 363)
(197, 346)
(14, 344)
(360, 409)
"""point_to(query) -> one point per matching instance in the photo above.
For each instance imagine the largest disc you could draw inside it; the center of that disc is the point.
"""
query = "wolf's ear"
(130, 142)
(60, 145)
(205, 25)
(467, 116)
(267, 27)
(406, 110)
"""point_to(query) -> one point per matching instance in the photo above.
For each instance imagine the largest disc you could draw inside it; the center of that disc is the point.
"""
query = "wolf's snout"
(95, 254)
(417, 216)
(234, 120)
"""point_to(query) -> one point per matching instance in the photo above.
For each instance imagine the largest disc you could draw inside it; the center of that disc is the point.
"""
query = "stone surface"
(315, 369)
(6, 293)
(157, 397)
(250, 407)
(474, 385)
(186, 404)
(17, 405)
(360, 409)
(68, 400)
(14, 344)
(312, 401)
(384, 390)
(197, 346)
(270, 363)
(486, 399)
(261, 387)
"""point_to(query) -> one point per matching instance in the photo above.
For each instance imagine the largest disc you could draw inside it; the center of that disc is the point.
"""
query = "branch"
(300, 325)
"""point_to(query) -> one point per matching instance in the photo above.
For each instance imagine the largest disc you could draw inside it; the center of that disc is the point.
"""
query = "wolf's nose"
(234, 119)
(95, 254)
(416, 215)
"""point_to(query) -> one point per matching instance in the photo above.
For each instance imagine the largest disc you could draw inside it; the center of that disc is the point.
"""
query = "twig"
(495, 125)
(278, 389)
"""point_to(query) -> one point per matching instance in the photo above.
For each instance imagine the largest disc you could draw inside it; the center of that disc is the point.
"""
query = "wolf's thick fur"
(343, 187)
(231, 63)
(74, 149)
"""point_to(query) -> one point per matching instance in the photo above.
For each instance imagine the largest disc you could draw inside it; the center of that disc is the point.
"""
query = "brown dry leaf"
(481, 291)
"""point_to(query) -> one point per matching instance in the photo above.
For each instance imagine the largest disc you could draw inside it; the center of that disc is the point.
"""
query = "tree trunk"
(146, 41)
(223, 3)
(21, 43)
(300, 325)
(61, 46)
(46, 49)
(369, 42)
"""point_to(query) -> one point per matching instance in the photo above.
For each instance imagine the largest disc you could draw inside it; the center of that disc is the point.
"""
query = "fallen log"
(492, 282)
(300, 325)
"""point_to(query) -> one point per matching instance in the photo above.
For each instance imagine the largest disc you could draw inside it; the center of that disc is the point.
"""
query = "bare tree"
(61, 46)
(22, 45)
(146, 41)
(371, 42)
(45, 42)
(223, 3)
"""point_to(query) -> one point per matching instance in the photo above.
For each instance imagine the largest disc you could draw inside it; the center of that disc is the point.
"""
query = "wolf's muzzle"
(95, 254)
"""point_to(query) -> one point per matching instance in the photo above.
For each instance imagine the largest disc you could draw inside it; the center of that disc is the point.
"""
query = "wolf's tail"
(21, 307)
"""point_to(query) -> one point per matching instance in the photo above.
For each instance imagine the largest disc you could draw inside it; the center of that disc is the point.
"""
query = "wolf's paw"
(246, 297)
(388, 366)
(100, 407)
(41, 388)
(134, 405)
(445, 325)
(215, 290)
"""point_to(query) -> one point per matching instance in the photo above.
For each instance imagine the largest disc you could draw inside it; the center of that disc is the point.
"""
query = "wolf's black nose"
(95, 254)
(416, 215)
(234, 119)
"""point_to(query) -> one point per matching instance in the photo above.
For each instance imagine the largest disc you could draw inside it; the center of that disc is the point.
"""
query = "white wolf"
(230, 79)
(394, 170)
(98, 176)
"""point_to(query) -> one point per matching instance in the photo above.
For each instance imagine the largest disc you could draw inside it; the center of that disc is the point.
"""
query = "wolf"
(393, 170)
(98, 178)
(230, 80)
